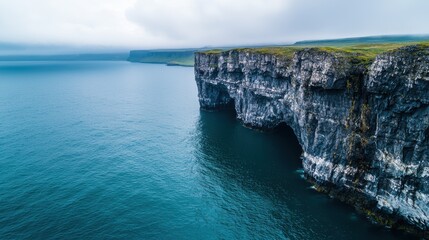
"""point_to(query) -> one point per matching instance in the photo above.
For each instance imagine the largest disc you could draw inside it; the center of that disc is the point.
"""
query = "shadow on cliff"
(238, 151)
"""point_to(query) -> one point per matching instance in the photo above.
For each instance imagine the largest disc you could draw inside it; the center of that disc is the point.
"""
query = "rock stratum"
(363, 126)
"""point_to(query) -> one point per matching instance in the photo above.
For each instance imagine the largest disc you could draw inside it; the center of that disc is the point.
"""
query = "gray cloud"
(192, 23)
(220, 22)
(208, 22)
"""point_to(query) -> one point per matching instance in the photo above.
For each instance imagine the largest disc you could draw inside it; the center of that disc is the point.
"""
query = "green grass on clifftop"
(360, 53)
(366, 53)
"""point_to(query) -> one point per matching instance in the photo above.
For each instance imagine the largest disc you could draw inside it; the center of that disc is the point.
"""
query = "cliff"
(363, 123)
(171, 57)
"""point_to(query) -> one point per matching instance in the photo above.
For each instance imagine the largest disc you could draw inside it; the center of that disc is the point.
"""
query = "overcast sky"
(195, 23)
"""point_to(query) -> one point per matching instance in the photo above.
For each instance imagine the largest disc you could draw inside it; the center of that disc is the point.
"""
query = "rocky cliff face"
(364, 129)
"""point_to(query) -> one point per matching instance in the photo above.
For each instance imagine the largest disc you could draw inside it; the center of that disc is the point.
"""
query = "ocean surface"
(117, 150)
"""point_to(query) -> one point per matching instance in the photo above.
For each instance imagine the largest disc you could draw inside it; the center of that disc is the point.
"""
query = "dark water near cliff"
(114, 150)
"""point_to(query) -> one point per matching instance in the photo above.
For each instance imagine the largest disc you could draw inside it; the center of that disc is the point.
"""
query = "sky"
(145, 24)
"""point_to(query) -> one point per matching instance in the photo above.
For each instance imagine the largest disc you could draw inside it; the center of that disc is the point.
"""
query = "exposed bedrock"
(364, 130)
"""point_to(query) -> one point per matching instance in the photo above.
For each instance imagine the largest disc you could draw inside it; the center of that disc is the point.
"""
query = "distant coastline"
(169, 57)
(185, 56)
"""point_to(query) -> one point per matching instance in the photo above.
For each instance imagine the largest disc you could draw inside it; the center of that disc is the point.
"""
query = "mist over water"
(115, 150)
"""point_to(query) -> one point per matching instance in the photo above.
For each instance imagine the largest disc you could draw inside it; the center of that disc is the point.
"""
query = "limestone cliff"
(364, 128)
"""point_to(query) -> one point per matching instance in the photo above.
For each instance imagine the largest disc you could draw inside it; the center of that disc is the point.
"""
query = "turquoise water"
(115, 150)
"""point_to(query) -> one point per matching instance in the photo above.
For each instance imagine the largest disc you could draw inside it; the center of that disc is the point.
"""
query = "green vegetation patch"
(287, 52)
(213, 51)
(366, 53)
(363, 54)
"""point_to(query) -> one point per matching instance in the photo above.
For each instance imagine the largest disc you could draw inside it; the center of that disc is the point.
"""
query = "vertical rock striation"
(364, 130)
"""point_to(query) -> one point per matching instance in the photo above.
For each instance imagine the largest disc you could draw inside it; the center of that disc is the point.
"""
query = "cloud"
(218, 22)
(337, 18)
(193, 23)
(208, 22)
(95, 22)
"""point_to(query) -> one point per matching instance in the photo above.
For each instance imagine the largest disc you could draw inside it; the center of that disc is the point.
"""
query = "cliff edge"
(363, 123)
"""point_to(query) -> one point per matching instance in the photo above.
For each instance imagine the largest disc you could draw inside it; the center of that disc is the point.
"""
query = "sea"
(119, 150)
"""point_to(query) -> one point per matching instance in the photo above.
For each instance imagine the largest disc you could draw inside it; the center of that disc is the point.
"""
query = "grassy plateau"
(358, 53)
